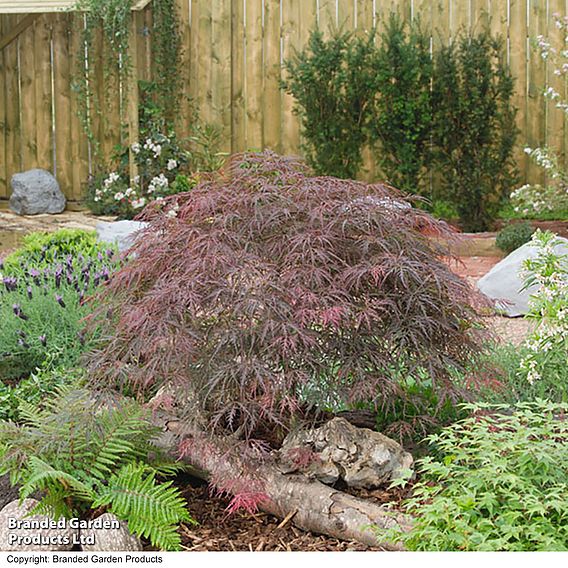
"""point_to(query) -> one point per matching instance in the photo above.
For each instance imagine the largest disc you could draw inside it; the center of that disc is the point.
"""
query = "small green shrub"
(83, 456)
(403, 114)
(40, 250)
(474, 128)
(513, 236)
(334, 83)
(497, 482)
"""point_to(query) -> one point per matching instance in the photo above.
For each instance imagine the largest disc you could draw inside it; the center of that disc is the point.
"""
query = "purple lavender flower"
(35, 274)
(10, 282)
(60, 300)
(18, 312)
(23, 344)
(30, 293)
(43, 340)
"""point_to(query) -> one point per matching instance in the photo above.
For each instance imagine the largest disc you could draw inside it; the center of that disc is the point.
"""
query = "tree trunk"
(307, 503)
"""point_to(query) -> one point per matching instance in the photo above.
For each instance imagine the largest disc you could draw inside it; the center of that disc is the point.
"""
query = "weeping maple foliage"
(273, 289)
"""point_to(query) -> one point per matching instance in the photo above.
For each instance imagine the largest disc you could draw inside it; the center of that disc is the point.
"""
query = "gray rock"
(338, 450)
(121, 233)
(502, 284)
(109, 539)
(36, 191)
(33, 539)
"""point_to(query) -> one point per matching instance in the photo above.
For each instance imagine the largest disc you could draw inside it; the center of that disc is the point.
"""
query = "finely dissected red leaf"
(273, 289)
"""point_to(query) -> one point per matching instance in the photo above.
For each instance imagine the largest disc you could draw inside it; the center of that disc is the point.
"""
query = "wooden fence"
(232, 65)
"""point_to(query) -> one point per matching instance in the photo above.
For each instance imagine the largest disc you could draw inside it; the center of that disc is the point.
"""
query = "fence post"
(132, 94)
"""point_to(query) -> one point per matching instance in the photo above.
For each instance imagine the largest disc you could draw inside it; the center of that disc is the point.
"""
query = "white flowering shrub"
(163, 170)
(544, 364)
(552, 200)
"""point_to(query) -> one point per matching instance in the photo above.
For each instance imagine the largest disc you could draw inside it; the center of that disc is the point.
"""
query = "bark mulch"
(242, 531)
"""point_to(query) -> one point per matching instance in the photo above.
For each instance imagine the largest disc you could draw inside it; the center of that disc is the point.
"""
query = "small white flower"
(119, 196)
(135, 147)
(138, 203)
(172, 164)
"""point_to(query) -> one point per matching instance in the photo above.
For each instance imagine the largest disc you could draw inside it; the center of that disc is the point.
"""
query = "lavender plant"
(42, 305)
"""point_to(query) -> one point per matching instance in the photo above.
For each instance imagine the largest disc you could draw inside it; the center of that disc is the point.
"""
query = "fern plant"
(85, 454)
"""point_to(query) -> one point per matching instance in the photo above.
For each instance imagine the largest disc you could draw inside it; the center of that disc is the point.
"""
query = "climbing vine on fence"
(106, 42)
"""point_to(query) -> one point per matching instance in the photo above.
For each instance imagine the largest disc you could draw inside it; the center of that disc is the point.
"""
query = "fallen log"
(307, 503)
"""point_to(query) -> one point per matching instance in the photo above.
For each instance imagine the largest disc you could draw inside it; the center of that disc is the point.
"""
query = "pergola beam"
(50, 6)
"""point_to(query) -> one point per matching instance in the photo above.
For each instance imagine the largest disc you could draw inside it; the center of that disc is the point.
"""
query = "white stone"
(503, 284)
(121, 233)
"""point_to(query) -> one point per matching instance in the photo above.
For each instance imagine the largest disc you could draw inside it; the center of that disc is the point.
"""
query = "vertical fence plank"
(79, 142)
(12, 94)
(555, 127)
(365, 15)
(536, 106)
(518, 63)
(237, 77)
(62, 102)
(440, 22)
(4, 182)
(272, 75)
(497, 18)
(460, 17)
(28, 98)
(253, 74)
(306, 12)
(326, 15)
(203, 55)
(290, 40)
(221, 68)
(43, 95)
(346, 14)
(184, 118)
(383, 11)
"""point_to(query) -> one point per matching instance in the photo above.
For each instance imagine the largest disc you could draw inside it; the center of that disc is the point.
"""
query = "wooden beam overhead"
(47, 6)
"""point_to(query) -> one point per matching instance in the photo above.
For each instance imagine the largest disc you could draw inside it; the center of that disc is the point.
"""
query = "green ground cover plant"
(495, 481)
(85, 455)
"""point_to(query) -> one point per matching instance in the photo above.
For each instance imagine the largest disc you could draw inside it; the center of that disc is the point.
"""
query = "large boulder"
(121, 233)
(115, 539)
(338, 450)
(503, 283)
(34, 192)
(22, 533)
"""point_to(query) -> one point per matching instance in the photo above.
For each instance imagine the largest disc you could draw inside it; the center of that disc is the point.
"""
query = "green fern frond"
(44, 476)
(54, 504)
(152, 510)
(121, 438)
